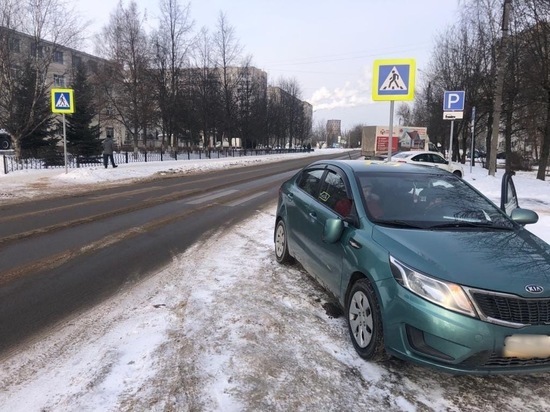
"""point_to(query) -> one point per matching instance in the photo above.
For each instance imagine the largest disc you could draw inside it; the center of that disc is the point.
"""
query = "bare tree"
(463, 59)
(207, 102)
(319, 133)
(124, 42)
(500, 68)
(405, 113)
(171, 43)
(292, 108)
(251, 97)
(227, 53)
(532, 18)
(355, 135)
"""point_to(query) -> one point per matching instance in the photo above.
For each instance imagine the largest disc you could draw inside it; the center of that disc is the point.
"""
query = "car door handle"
(290, 196)
(313, 215)
(354, 244)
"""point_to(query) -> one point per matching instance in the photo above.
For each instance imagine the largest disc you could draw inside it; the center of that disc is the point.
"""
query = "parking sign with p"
(453, 101)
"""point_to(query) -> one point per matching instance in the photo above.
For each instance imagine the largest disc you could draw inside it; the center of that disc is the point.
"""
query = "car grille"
(497, 361)
(514, 309)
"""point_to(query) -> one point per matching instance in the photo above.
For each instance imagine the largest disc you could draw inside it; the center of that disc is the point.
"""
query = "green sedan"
(426, 267)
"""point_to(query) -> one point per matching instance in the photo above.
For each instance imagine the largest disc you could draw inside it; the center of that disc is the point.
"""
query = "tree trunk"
(15, 141)
(545, 147)
(499, 83)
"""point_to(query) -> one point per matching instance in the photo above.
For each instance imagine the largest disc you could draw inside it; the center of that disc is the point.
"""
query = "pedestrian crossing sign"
(62, 101)
(393, 79)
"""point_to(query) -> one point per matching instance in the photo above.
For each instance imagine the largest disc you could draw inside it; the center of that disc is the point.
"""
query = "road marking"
(203, 199)
(245, 199)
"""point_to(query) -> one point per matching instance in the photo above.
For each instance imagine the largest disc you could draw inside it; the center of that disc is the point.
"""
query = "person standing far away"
(108, 147)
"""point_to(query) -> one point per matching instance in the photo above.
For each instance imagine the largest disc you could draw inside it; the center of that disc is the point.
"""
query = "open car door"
(509, 202)
(508, 195)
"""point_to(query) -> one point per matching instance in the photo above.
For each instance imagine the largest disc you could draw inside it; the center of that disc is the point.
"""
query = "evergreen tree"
(34, 112)
(83, 137)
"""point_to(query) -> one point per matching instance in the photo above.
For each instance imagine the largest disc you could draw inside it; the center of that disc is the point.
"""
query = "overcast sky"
(328, 46)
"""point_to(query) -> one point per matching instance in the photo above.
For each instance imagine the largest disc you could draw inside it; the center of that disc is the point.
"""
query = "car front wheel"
(281, 243)
(365, 322)
(5, 144)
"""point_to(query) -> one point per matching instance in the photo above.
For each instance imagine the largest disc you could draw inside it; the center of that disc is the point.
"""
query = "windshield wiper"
(400, 223)
(469, 224)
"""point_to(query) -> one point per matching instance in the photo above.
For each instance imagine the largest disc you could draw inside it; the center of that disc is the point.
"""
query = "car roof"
(415, 152)
(374, 166)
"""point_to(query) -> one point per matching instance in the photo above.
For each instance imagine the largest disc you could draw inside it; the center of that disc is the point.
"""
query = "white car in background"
(429, 159)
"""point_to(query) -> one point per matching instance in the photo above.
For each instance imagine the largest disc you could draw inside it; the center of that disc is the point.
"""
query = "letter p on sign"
(453, 101)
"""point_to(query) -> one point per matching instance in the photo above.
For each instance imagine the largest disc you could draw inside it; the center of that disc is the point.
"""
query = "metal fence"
(12, 163)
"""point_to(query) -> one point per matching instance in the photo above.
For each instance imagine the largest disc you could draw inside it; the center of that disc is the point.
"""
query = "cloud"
(351, 94)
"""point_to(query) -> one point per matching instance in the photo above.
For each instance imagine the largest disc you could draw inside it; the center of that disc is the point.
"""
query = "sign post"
(472, 154)
(393, 80)
(453, 108)
(63, 102)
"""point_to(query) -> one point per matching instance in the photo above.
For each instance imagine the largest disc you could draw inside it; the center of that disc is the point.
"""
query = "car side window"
(333, 194)
(437, 159)
(309, 181)
(421, 158)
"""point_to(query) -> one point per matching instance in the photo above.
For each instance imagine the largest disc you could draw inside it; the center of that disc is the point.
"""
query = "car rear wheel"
(365, 322)
(281, 244)
(5, 143)
(457, 172)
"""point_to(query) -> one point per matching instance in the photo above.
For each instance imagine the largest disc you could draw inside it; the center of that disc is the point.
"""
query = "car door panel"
(327, 257)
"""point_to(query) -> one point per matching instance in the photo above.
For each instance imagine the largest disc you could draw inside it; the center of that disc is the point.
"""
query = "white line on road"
(210, 197)
(245, 199)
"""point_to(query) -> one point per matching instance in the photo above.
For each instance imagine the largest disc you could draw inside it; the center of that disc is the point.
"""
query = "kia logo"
(534, 289)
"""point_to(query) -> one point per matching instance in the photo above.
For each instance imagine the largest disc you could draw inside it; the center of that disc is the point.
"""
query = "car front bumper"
(422, 332)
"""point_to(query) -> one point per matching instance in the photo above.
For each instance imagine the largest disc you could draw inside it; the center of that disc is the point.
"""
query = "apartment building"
(56, 63)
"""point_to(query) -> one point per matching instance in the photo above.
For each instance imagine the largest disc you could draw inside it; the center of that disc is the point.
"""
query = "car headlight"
(446, 294)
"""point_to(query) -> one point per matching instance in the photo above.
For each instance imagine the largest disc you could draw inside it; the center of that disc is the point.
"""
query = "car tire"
(281, 243)
(365, 322)
(5, 143)
(458, 173)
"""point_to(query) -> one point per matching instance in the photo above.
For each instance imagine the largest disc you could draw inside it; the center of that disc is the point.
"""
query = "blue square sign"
(453, 101)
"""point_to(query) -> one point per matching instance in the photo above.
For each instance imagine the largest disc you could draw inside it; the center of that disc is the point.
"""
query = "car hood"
(504, 261)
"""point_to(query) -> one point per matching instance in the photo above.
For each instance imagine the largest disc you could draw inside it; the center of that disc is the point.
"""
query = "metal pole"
(451, 142)
(473, 138)
(390, 140)
(65, 143)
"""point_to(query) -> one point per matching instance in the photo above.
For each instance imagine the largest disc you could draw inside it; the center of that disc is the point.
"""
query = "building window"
(77, 61)
(15, 46)
(110, 131)
(59, 80)
(37, 51)
(58, 57)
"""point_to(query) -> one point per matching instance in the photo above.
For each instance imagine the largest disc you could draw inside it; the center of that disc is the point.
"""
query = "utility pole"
(499, 82)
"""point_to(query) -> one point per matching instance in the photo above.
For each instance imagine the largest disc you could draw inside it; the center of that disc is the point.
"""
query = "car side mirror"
(524, 216)
(333, 230)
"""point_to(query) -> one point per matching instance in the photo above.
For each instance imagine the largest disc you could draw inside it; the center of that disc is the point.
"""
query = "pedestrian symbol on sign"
(393, 81)
(62, 101)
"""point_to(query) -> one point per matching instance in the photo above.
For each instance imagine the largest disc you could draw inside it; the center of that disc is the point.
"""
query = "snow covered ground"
(234, 331)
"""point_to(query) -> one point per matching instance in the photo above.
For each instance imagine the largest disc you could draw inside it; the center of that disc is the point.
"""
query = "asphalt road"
(59, 256)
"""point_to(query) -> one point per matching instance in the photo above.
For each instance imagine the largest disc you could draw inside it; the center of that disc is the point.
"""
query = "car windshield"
(401, 155)
(428, 201)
